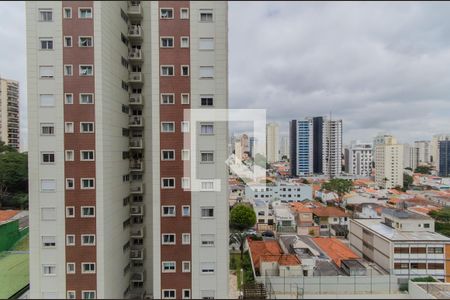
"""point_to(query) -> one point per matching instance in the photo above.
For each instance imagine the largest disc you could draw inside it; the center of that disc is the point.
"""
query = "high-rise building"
(245, 143)
(388, 162)
(358, 159)
(444, 158)
(318, 145)
(424, 152)
(9, 113)
(301, 147)
(434, 148)
(112, 212)
(332, 148)
(284, 146)
(272, 142)
(251, 145)
(410, 156)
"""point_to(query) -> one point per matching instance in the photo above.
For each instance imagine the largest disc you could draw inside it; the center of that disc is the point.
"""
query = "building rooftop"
(5, 215)
(329, 211)
(395, 235)
(270, 251)
(404, 214)
(335, 249)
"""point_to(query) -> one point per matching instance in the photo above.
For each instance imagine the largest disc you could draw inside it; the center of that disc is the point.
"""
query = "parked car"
(268, 233)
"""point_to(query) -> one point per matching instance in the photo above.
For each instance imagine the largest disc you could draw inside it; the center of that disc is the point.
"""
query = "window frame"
(167, 66)
(88, 291)
(82, 213)
(205, 10)
(86, 37)
(182, 72)
(82, 243)
(66, 154)
(47, 153)
(64, 12)
(89, 271)
(43, 244)
(183, 270)
(65, 40)
(168, 187)
(168, 150)
(89, 17)
(74, 268)
(161, 38)
(87, 188)
(46, 10)
(168, 243)
(81, 127)
(46, 39)
(87, 151)
(172, 262)
(167, 122)
(167, 94)
(80, 66)
(169, 215)
(65, 69)
(188, 42)
(67, 240)
(186, 152)
(69, 127)
(207, 152)
(80, 96)
(207, 217)
(183, 235)
(182, 210)
(68, 208)
(187, 97)
(66, 97)
(48, 274)
(166, 8)
(186, 9)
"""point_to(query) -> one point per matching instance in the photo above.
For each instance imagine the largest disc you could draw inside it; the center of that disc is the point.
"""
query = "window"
(206, 129)
(186, 210)
(207, 212)
(206, 43)
(88, 239)
(87, 183)
(206, 72)
(167, 71)
(88, 267)
(207, 267)
(70, 268)
(186, 266)
(185, 154)
(185, 183)
(49, 270)
(70, 184)
(168, 154)
(88, 294)
(168, 183)
(186, 294)
(85, 41)
(184, 42)
(48, 242)
(68, 98)
(185, 126)
(70, 155)
(184, 98)
(418, 250)
(48, 185)
(45, 15)
(207, 157)
(46, 72)
(67, 13)
(68, 70)
(70, 212)
(186, 239)
(168, 211)
(87, 70)
(87, 211)
(207, 240)
(68, 127)
(206, 15)
(46, 43)
(167, 126)
(167, 99)
(168, 239)
(124, 86)
(125, 109)
(48, 158)
(85, 13)
(184, 70)
(124, 16)
(86, 155)
(124, 62)
(71, 295)
(67, 41)
(184, 13)
(168, 267)
(86, 98)
(86, 127)
(436, 250)
(166, 13)
(206, 100)
(166, 42)
(207, 185)
(435, 266)
(426, 225)
(70, 240)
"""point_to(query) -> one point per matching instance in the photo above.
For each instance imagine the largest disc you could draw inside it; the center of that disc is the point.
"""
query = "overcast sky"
(381, 67)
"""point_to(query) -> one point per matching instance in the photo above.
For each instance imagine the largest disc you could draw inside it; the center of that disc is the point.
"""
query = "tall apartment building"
(9, 113)
(388, 163)
(410, 156)
(301, 147)
(424, 149)
(272, 142)
(112, 212)
(332, 148)
(284, 146)
(444, 158)
(318, 144)
(434, 145)
(358, 159)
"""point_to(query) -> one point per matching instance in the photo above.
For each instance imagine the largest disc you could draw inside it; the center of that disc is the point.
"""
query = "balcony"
(136, 166)
(137, 254)
(136, 99)
(136, 78)
(135, 56)
(138, 275)
(135, 32)
(136, 143)
(136, 121)
(137, 188)
(137, 232)
(137, 210)
(137, 293)
(134, 11)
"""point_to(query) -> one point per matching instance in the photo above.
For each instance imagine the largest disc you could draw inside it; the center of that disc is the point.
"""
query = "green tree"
(407, 181)
(423, 170)
(339, 186)
(6, 148)
(13, 176)
(442, 215)
(242, 217)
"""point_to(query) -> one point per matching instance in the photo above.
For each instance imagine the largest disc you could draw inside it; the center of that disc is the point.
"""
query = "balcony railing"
(137, 232)
(138, 275)
(137, 210)
(135, 55)
(134, 11)
(136, 166)
(136, 143)
(137, 254)
(136, 121)
(135, 32)
(136, 77)
(136, 99)
(137, 188)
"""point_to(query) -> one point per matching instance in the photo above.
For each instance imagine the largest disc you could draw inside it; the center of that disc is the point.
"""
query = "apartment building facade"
(272, 142)
(112, 212)
(358, 159)
(410, 156)
(424, 152)
(444, 158)
(301, 147)
(332, 148)
(9, 113)
(388, 162)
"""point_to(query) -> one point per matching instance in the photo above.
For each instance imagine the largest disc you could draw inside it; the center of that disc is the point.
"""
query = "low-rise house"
(325, 217)
(303, 213)
(264, 214)
(284, 219)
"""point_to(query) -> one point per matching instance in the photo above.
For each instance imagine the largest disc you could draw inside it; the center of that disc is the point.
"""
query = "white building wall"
(272, 141)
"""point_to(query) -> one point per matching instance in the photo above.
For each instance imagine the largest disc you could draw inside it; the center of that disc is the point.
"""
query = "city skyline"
(368, 106)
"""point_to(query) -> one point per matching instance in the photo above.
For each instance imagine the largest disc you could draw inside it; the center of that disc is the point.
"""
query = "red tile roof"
(5, 215)
(270, 251)
(329, 211)
(335, 249)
